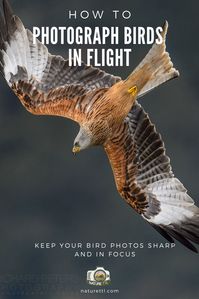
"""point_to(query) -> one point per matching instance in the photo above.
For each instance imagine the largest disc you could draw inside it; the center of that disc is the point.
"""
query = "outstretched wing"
(145, 180)
(44, 83)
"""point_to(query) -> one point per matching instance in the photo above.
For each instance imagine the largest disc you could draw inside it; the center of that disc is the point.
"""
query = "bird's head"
(82, 141)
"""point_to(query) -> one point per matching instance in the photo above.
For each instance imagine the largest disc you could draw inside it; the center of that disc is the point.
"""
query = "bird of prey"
(109, 115)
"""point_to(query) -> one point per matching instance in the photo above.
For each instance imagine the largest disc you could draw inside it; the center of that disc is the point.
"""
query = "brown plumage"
(107, 111)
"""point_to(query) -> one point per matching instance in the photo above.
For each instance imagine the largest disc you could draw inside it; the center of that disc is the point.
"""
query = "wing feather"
(144, 178)
(22, 60)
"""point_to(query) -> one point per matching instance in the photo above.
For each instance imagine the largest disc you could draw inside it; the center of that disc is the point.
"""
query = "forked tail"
(155, 69)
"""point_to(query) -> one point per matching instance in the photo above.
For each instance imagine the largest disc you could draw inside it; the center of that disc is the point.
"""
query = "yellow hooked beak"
(76, 149)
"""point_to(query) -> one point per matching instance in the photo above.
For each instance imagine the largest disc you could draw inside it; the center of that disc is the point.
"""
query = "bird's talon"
(133, 90)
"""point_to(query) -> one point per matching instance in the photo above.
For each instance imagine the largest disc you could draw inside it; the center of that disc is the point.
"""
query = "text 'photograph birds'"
(109, 115)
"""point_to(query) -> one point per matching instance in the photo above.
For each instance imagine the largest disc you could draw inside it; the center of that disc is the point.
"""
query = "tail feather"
(155, 69)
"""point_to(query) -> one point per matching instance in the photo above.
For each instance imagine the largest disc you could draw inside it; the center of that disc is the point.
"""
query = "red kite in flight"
(109, 115)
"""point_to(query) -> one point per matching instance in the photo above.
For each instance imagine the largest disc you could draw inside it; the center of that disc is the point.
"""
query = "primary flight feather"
(106, 109)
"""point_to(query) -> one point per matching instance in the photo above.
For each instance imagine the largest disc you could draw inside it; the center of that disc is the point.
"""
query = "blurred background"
(47, 195)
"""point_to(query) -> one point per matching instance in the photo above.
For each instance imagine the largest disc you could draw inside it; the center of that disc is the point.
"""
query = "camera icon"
(98, 277)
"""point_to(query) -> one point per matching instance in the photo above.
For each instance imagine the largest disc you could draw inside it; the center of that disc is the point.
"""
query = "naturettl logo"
(98, 277)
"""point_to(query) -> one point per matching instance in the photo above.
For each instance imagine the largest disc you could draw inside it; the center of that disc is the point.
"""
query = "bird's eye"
(76, 144)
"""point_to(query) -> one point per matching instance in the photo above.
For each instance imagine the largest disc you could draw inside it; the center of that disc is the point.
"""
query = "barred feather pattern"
(24, 63)
(145, 180)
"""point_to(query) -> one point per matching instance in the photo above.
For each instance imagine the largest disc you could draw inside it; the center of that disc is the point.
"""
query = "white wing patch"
(175, 204)
(20, 51)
